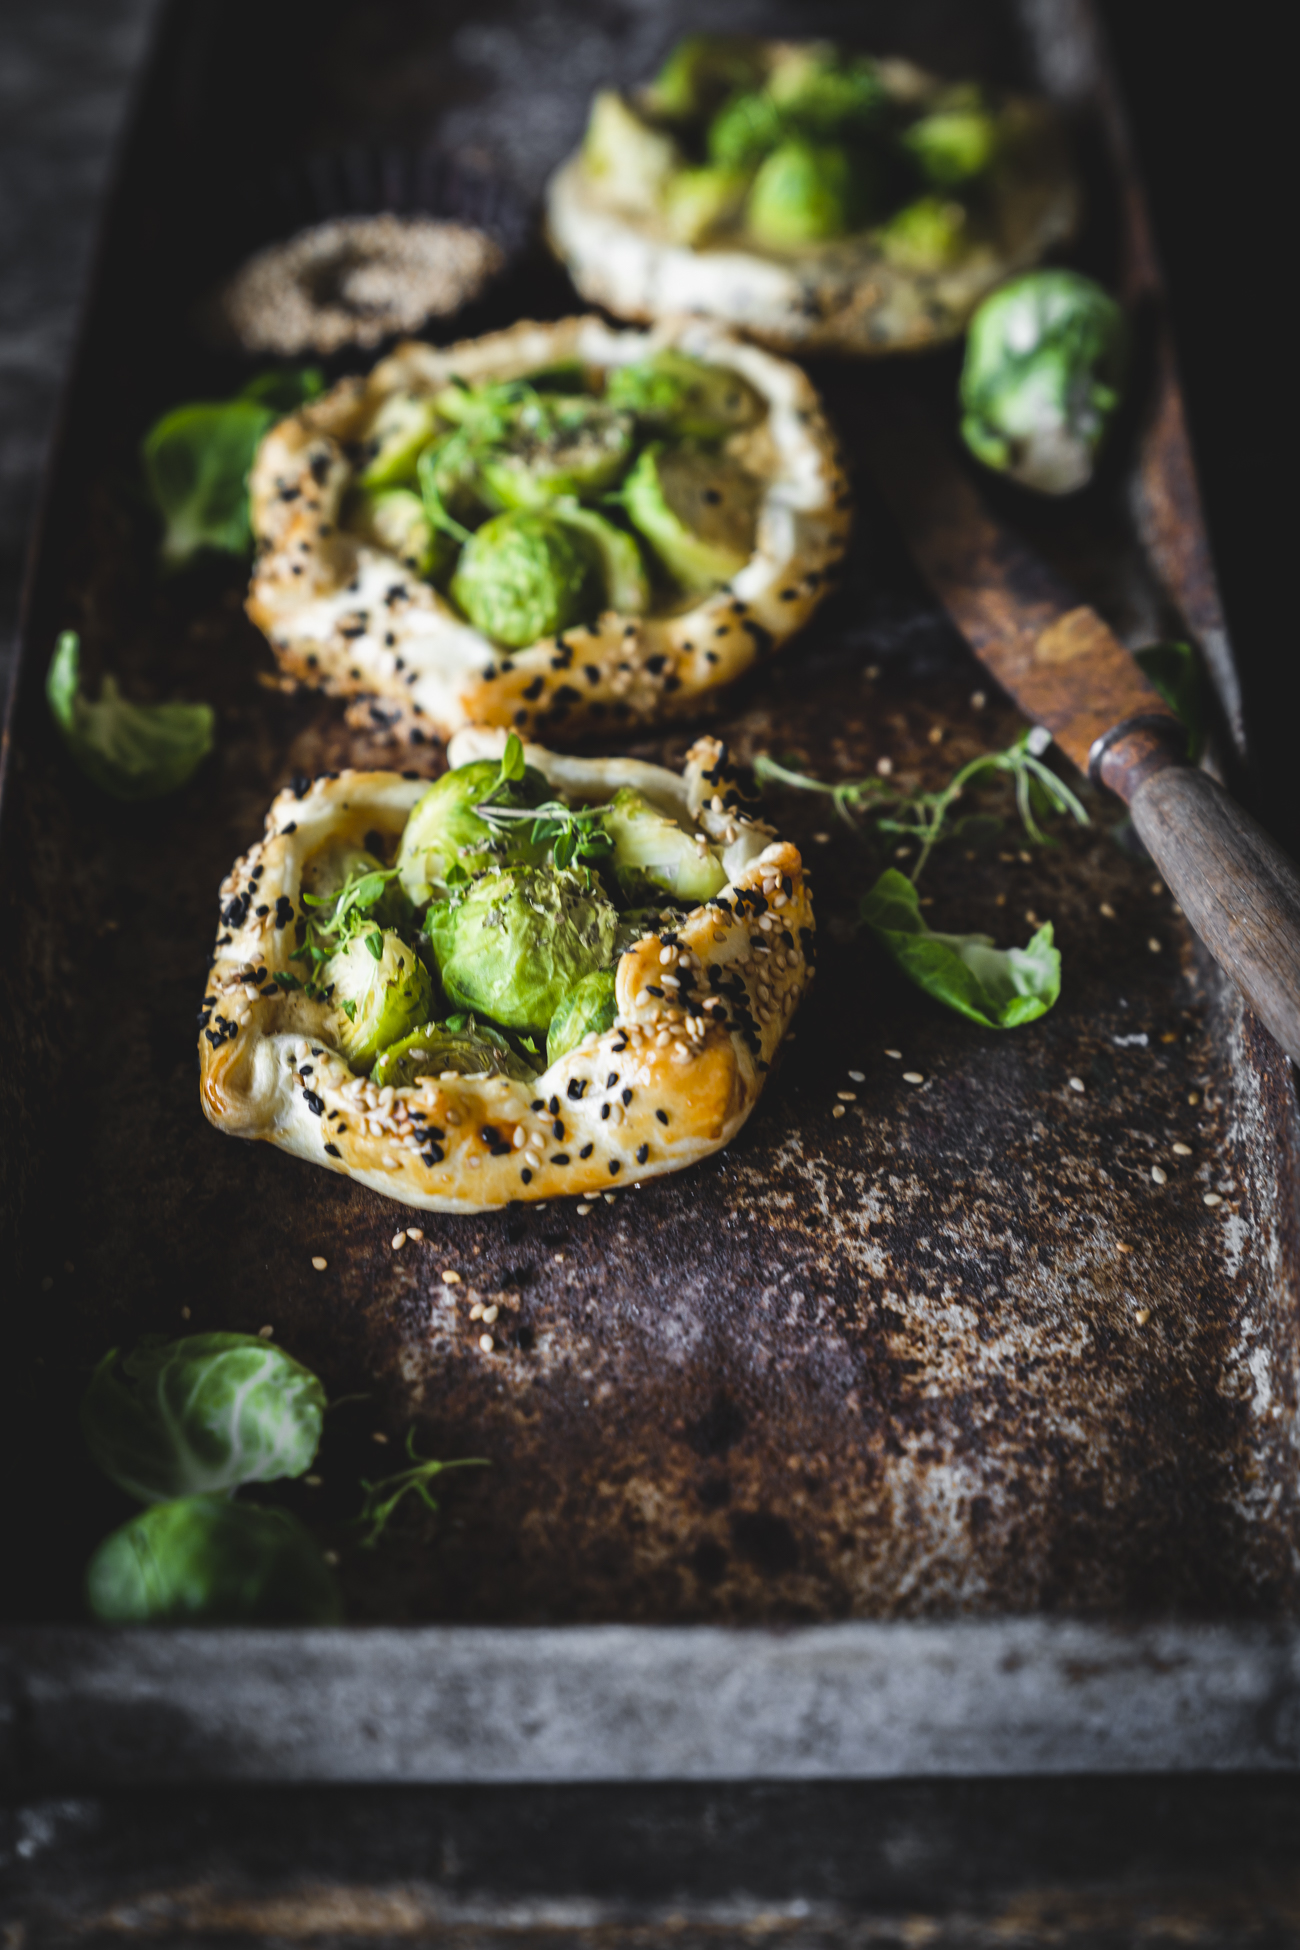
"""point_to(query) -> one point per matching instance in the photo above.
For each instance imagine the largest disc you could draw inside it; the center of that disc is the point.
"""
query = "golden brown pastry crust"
(348, 618)
(673, 1080)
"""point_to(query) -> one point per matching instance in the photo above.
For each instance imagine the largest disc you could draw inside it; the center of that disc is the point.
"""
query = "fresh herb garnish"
(383, 1497)
(571, 835)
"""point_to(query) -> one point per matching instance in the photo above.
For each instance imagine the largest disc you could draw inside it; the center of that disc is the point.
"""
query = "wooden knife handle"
(1235, 885)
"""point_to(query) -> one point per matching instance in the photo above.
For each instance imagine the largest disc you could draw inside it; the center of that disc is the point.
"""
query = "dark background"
(1209, 1857)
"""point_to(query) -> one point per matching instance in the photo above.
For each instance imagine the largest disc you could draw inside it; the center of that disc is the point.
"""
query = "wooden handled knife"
(1069, 673)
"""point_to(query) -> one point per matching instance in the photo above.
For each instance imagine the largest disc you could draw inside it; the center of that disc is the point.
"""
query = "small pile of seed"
(353, 281)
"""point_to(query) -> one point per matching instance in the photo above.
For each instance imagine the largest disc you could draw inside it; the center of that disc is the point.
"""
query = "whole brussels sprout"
(444, 831)
(700, 71)
(697, 511)
(952, 146)
(628, 159)
(589, 1009)
(402, 428)
(524, 576)
(676, 394)
(1042, 379)
(924, 235)
(745, 130)
(807, 191)
(615, 555)
(556, 446)
(204, 1413)
(380, 996)
(204, 1559)
(476, 1052)
(395, 519)
(515, 942)
(698, 202)
(651, 852)
(825, 95)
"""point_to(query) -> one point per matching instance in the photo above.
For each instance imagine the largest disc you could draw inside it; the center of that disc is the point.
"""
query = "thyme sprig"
(927, 817)
(382, 1498)
(571, 834)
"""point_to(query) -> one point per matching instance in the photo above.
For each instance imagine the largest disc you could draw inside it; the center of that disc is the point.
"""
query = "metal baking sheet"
(951, 1355)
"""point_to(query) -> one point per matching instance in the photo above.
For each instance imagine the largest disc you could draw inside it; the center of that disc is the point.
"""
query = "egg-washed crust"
(701, 1011)
(841, 296)
(346, 617)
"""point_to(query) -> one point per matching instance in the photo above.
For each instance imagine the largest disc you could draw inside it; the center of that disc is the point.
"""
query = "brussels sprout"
(515, 942)
(343, 880)
(700, 71)
(196, 461)
(952, 146)
(395, 519)
(652, 853)
(589, 1009)
(444, 831)
(205, 1413)
(402, 429)
(524, 576)
(748, 128)
(628, 160)
(133, 751)
(1043, 376)
(557, 446)
(676, 394)
(697, 202)
(285, 389)
(381, 989)
(615, 552)
(824, 95)
(696, 510)
(808, 191)
(924, 235)
(471, 1052)
(206, 1559)
(998, 987)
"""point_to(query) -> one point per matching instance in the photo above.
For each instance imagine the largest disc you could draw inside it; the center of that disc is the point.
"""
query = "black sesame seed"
(526, 1175)
(642, 1153)
(433, 1156)
(626, 1096)
(560, 1158)
(558, 1127)
(586, 1150)
(332, 1151)
(614, 1167)
(314, 1103)
(554, 1106)
(576, 1087)
(490, 1134)
(662, 1115)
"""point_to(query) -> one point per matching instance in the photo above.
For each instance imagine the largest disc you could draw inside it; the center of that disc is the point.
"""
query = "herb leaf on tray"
(132, 751)
(383, 1497)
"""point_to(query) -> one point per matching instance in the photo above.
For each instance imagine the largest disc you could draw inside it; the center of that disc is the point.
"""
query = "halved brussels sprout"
(825, 94)
(808, 191)
(696, 510)
(428, 1052)
(523, 576)
(342, 867)
(395, 519)
(207, 1558)
(1043, 377)
(380, 997)
(556, 445)
(674, 393)
(748, 128)
(696, 202)
(701, 71)
(444, 831)
(651, 852)
(587, 1010)
(953, 146)
(626, 585)
(512, 946)
(924, 235)
(403, 427)
(630, 160)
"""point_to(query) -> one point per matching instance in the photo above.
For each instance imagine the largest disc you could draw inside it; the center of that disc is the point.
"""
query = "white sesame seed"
(858, 1076)
(1107, 911)
(897, 1054)
(559, 1259)
(977, 700)
(377, 1435)
(847, 1096)
(414, 1232)
(1157, 887)
(822, 839)
(1182, 1150)
(1193, 1097)
(476, 1311)
(1211, 1198)
(666, 957)
(450, 1278)
(265, 1333)
(838, 1110)
(486, 1342)
(1077, 1083)
(609, 1198)
(399, 1240)
(1159, 1176)
(331, 1557)
(185, 1313)
(490, 1313)
(1121, 1247)
(319, 1263)
(520, 1138)
(913, 1076)
(935, 734)
(583, 1211)
(1153, 945)
(1142, 1316)
(313, 1482)
(884, 766)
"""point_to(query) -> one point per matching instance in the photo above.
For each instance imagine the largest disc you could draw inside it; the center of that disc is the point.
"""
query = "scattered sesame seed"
(1142, 1316)
(978, 700)
(1153, 945)
(476, 1311)
(486, 1342)
(1107, 910)
(838, 1111)
(265, 1333)
(935, 734)
(1211, 1198)
(559, 1259)
(1157, 886)
(1077, 1083)
(1121, 1247)
(822, 839)
(847, 1096)
(449, 1278)
(913, 1076)
(313, 1482)
(871, 673)
(609, 1198)
(331, 1557)
(1159, 1176)
(399, 1240)
(858, 1076)
(1193, 1096)
(583, 1211)
(1182, 1150)
(414, 1232)
(185, 1313)
(319, 1263)
(377, 1435)
(884, 766)
(897, 1054)
(490, 1313)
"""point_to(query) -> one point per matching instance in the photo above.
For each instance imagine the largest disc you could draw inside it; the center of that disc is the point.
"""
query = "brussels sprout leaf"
(1175, 670)
(133, 751)
(383, 1497)
(512, 759)
(999, 987)
(202, 1414)
(206, 1559)
(284, 391)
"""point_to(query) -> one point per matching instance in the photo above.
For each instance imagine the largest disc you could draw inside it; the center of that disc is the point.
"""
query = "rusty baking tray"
(865, 1446)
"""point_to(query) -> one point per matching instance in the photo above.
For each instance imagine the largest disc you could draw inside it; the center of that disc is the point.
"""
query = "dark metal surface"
(891, 1364)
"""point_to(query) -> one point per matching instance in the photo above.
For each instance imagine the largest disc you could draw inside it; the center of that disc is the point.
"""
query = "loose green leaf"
(284, 391)
(205, 1413)
(133, 751)
(512, 759)
(999, 987)
(383, 1497)
(1175, 670)
(204, 1559)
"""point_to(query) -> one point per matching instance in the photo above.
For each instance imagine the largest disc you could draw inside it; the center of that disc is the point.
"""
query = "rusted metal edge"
(89, 1708)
